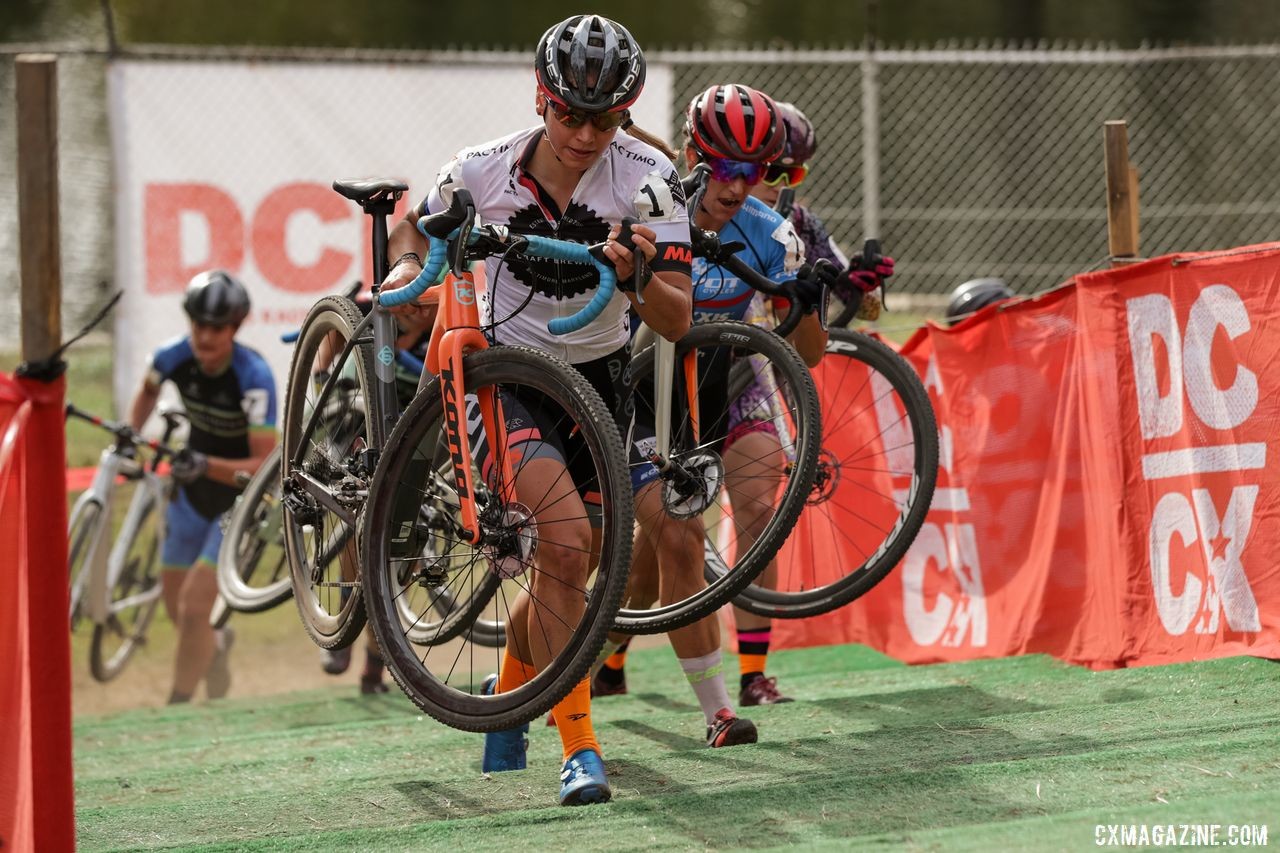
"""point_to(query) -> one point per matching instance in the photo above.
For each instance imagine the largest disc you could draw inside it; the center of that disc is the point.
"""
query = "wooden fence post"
(1122, 194)
(36, 76)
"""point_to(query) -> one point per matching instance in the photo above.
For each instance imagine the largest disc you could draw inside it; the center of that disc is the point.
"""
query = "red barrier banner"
(1104, 494)
(37, 809)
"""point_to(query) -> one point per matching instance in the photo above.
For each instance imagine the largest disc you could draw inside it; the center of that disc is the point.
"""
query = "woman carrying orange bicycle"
(571, 176)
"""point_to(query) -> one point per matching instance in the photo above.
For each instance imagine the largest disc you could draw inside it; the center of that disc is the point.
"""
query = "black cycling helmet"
(735, 122)
(974, 295)
(802, 139)
(590, 63)
(215, 298)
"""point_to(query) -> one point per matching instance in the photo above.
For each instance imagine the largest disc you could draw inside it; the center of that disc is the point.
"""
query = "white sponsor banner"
(230, 165)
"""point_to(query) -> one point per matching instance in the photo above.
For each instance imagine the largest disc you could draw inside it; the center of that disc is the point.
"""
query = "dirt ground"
(272, 654)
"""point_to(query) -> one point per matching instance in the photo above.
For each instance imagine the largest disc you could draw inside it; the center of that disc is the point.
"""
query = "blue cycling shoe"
(504, 750)
(582, 781)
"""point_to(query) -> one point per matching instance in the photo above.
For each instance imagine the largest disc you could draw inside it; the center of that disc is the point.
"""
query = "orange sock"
(573, 718)
(751, 663)
(514, 672)
(618, 659)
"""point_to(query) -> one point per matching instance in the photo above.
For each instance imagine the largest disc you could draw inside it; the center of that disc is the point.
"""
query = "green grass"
(1022, 753)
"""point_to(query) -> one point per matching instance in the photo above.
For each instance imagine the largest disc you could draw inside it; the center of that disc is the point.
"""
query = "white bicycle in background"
(114, 548)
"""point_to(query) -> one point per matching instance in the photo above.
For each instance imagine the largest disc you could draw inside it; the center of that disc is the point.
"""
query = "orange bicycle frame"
(457, 332)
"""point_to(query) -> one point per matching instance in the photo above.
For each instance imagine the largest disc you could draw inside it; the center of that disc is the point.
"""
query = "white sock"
(706, 677)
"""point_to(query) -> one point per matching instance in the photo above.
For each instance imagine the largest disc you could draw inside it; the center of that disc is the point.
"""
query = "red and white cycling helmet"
(736, 122)
(590, 63)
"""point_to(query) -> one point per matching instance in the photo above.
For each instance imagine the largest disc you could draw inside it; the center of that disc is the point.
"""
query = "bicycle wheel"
(253, 569)
(452, 612)
(876, 477)
(522, 546)
(81, 530)
(744, 375)
(325, 474)
(134, 593)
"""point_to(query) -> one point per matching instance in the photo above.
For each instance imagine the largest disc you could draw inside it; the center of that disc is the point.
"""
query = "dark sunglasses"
(572, 118)
(727, 171)
(776, 173)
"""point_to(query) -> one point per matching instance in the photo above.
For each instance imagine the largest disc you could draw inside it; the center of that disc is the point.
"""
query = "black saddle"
(364, 190)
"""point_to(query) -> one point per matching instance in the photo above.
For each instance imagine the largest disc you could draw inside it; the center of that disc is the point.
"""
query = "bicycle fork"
(694, 486)
(453, 393)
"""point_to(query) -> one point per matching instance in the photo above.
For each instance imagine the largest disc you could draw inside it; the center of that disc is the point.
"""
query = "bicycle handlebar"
(473, 240)
(123, 433)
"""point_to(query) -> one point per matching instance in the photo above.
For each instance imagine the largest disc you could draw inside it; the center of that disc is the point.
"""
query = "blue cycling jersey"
(770, 246)
(222, 410)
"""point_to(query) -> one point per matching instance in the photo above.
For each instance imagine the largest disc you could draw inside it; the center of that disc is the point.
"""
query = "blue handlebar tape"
(437, 260)
(410, 362)
(543, 247)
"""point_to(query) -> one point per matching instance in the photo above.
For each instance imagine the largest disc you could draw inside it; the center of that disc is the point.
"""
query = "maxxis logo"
(1191, 455)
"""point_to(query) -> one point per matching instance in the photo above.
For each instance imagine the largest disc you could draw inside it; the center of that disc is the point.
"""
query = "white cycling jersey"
(631, 178)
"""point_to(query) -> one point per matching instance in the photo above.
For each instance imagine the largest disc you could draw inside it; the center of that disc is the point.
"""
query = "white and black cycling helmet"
(590, 63)
(215, 298)
(975, 295)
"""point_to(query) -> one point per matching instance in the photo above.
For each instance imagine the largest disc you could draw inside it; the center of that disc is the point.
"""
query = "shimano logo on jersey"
(453, 428)
(631, 155)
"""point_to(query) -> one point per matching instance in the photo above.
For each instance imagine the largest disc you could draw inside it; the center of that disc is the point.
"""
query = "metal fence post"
(870, 143)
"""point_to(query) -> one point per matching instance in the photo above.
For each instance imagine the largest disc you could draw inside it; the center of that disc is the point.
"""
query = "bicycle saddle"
(363, 189)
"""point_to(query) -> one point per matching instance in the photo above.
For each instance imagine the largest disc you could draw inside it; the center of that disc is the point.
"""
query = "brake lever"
(868, 261)
(639, 264)
(786, 202)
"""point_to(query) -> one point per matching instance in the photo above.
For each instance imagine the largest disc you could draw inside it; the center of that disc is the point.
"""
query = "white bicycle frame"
(102, 566)
(665, 366)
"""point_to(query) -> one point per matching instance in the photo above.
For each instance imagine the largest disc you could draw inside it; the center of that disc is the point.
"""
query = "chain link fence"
(964, 163)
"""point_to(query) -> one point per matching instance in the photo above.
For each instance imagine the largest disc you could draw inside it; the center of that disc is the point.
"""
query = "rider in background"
(790, 170)
(974, 295)
(230, 400)
(572, 176)
(737, 131)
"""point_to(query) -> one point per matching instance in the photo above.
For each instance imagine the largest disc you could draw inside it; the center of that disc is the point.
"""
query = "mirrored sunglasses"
(572, 118)
(727, 171)
(776, 173)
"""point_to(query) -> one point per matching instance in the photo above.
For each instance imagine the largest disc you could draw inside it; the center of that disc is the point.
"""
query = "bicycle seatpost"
(378, 201)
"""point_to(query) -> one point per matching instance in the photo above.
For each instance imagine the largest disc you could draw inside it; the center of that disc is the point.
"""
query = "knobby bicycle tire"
(843, 507)
(452, 696)
(243, 548)
(81, 530)
(138, 576)
(331, 606)
(790, 373)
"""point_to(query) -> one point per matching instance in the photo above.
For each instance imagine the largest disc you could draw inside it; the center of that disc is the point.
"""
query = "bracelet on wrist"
(408, 256)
